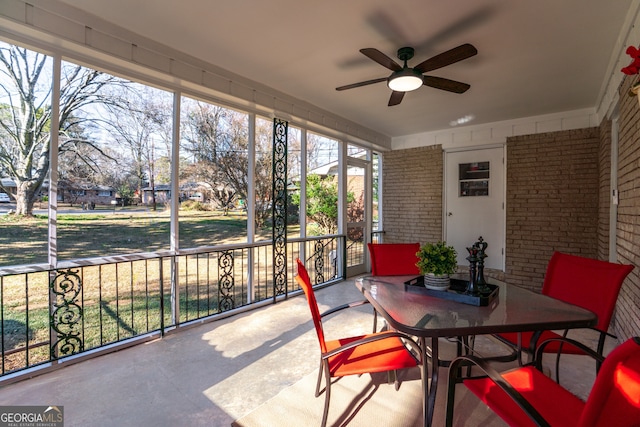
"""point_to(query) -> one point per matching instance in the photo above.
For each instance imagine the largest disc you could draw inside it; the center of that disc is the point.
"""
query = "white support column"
(53, 163)
(175, 205)
(52, 249)
(175, 180)
(302, 215)
(342, 187)
(342, 202)
(250, 204)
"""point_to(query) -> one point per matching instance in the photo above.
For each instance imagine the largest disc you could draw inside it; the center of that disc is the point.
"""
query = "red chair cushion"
(558, 406)
(393, 259)
(377, 356)
(385, 354)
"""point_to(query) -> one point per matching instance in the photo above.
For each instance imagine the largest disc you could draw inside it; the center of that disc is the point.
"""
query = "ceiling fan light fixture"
(405, 80)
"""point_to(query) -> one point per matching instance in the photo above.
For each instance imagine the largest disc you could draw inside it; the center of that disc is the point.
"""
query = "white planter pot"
(434, 282)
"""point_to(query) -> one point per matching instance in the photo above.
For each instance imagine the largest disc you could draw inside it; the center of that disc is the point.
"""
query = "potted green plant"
(436, 262)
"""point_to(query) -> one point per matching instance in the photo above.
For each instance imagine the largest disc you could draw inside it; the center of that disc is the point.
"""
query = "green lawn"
(108, 232)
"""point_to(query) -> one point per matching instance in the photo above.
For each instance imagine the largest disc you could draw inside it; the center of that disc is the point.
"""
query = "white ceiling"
(534, 57)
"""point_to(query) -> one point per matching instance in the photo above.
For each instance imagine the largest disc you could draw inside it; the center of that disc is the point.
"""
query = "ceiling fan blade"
(368, 82)
(447, 58)
(445, 84)
(396, 98)
(381, 58)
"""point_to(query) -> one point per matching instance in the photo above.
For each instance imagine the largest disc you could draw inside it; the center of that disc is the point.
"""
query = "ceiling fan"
(405, 79)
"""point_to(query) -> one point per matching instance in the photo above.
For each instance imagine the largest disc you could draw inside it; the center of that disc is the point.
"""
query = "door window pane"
(356, 225)
(355, 151)
(473, 179)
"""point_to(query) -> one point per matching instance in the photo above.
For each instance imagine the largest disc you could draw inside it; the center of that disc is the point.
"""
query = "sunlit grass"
(23, 240)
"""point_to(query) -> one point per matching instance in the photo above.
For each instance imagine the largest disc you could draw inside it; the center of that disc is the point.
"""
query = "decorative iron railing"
(95, 305)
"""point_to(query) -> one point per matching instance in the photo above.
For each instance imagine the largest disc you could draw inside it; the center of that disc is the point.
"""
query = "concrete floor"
(210, 374)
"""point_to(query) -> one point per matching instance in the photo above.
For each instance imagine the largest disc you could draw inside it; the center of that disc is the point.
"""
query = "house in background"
(162, 193)
(7, 185)
(85, 194)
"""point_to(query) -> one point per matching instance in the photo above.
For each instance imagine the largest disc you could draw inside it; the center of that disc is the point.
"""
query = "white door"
(357, 230)
(474, 202)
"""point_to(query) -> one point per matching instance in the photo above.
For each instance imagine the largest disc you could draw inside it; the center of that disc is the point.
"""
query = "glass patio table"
(426, 317)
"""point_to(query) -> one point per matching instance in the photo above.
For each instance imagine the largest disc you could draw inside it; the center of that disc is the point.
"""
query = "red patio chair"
(377, 352)
(526, 397)
(585, 282)
(393, 259)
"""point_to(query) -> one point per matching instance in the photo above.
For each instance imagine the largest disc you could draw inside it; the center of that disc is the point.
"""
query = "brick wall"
(552, 201)
(412, 191)
(627, 317)
(557, 199)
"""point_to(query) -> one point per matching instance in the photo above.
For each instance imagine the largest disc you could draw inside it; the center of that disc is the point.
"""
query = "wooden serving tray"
(456, 292)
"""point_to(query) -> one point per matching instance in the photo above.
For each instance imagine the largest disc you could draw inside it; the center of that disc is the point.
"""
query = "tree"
(25, 117)
(322, 202)
(24, 149)
(140, 124)
(263, 185)
(218, 140)
(355, 213)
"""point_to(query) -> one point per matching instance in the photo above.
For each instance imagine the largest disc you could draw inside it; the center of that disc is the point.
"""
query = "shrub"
(193, 205)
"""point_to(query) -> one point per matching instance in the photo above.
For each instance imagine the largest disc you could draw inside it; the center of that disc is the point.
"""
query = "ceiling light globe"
(405, 82)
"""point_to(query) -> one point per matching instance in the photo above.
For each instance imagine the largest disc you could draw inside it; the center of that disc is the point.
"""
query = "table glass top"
(515, 309)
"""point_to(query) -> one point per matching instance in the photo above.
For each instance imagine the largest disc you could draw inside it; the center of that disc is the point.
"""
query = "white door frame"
(366, 166)
(445, 184)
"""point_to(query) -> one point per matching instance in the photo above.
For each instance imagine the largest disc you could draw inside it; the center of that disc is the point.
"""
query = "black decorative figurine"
(472, 288)
(481, 255)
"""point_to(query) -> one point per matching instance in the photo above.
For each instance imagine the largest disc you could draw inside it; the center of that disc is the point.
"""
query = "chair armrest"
(371, 338)
(588, 351)
(495, 376)
(343, 307)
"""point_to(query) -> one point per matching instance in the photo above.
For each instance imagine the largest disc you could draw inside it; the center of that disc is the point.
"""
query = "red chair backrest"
(393, 259)
(305, 283)
(587, 283)
(615, 397)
